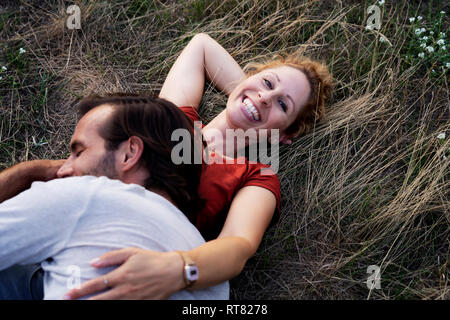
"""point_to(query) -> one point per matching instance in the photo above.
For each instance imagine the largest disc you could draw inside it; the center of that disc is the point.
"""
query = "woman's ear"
(131, 152)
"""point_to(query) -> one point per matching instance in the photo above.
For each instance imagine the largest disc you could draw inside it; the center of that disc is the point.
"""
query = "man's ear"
(131, 152)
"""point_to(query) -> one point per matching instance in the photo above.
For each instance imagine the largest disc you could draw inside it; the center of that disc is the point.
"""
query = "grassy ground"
(370, 184)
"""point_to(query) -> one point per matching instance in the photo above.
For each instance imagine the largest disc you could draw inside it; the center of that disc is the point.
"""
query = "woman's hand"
(143, 274)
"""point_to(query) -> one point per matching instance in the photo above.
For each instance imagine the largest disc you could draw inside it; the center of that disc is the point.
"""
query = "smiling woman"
(311, 103)
(286, 94)
(271, 99)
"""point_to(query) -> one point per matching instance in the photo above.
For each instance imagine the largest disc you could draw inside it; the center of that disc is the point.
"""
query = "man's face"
(88, 155)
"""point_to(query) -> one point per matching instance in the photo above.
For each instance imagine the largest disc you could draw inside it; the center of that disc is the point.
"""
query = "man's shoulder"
(107, 190)
(79, 180)
(76, 186)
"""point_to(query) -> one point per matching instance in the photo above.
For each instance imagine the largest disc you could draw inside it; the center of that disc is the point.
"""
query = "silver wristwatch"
(190, 270)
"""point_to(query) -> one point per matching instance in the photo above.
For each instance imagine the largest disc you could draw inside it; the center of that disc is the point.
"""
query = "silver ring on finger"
(106, 282)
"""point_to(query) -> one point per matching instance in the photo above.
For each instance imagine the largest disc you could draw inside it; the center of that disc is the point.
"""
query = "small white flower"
(412, 19)
(423, 45)
(22, 50)
(441, 35)
(431, 32)
(419, 31)
(442, 12)
(443, 48)
(421, 55)
(4, 68)
(1, 77)
(419, 18)
(425, 38)
(441, 136)
(447, 65)
(381, 2)
(440, 42)
(383, 39)
(430, 49)
(369, 27)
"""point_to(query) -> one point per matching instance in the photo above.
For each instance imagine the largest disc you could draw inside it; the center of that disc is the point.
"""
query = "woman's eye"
(78, 153)
(283, 105)
(268, 84)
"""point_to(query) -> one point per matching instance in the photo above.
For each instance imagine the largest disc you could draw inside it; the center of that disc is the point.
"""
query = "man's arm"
(36, 224)
(18, 178)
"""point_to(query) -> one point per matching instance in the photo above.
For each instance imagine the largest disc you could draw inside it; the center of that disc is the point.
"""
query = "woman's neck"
(219, 134)
(219, 123)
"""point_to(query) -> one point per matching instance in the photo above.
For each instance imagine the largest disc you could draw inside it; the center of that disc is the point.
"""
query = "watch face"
(192, 273)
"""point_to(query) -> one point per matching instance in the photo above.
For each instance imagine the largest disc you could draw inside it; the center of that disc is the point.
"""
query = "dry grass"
(369, 186)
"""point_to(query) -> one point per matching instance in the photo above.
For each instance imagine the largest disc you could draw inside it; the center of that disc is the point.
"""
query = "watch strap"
(188, 263)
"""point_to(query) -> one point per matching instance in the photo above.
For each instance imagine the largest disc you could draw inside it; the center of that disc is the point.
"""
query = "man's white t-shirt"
(74, 220)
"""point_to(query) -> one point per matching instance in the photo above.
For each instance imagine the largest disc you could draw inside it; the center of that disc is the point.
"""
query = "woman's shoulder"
(191, 112)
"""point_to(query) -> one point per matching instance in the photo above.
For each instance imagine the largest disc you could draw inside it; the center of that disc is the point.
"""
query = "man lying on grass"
(120, 189)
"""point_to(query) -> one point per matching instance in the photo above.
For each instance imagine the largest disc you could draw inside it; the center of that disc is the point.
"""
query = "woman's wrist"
(190, 270)
(177, 267)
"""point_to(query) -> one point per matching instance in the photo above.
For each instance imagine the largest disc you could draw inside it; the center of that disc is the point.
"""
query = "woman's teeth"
(251, 110)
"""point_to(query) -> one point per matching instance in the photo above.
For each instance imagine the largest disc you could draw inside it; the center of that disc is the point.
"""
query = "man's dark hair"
(153, 120)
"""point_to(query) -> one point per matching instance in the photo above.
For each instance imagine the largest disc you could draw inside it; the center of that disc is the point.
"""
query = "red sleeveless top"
(220, 182)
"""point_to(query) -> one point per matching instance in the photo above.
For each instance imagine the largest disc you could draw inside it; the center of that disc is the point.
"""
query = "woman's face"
(270, 99)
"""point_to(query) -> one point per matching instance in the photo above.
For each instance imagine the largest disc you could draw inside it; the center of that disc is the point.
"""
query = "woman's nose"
(265, 97)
